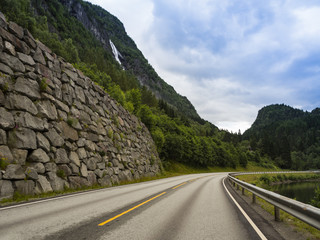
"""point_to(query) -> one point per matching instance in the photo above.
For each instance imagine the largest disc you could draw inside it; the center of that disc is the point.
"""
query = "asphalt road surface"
(185, 207)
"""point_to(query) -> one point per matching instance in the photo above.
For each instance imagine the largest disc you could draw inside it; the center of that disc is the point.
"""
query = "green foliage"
(316, 199)
(116, 92)
(3, 163)
(43, 85)
(146, 116)
(134, 96)
(129, 106)
(158, 138)
(60, 173)
(72, 55)
(265, 179)
(110, 133)
(71, 121)
(289, 136)
(5, 87)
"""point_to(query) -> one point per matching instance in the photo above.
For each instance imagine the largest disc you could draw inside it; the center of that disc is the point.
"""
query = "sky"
(229, 58)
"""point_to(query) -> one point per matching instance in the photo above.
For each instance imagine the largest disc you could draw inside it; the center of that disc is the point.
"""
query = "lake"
(301, 191)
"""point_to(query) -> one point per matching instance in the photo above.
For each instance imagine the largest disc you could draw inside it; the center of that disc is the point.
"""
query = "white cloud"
(136, 15)
(230, 58)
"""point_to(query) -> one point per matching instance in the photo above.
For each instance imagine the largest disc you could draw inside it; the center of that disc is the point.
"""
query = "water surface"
(301, 191)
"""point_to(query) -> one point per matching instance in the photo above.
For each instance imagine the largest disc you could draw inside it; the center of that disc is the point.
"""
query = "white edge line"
(254, 226)
(51, 199)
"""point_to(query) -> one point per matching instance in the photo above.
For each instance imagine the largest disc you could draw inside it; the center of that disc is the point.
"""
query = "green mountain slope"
(80, 33)
(105, 27)
(291, 137)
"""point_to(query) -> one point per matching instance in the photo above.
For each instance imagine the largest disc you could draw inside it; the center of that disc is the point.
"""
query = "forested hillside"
(291, 137)
(179, 136)
(80, 31)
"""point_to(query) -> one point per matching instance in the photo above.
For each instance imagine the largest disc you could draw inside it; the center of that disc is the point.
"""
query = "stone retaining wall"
(57, 128)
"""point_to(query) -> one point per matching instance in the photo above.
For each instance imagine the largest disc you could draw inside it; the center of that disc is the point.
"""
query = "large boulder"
(61, 156)
(39, 167)
(14, 172)
(68, 132)
(56, 182)
(31, 173)
(84, 170)
(28, 87)
(26, 120)
(78, 182)
(6, 119)
(13, 62)
(3, 137)
(20, 156)
(6, 189)
(92, 163)
(39, 156)
(42, 185)
(38, 56)
(5, 154)
(92, 178)
(25, 187)
(16, 29)
(43, 142)
(73, 156)
(54, 138)
(19, 102)
(47, 109)
(26, 59)
(22, 138)
(105, 181)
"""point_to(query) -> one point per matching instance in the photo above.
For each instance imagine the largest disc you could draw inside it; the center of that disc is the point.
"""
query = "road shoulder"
(264, 220)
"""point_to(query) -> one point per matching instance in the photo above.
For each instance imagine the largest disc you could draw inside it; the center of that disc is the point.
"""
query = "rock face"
(58, 128)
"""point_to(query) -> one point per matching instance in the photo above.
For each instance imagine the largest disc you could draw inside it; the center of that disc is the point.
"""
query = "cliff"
(57, 128)
(105, 27)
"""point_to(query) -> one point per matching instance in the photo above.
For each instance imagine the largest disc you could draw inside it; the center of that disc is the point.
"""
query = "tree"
(134, 96)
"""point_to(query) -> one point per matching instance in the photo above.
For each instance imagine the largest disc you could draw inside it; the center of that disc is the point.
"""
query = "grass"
(3, 163)
(43, 85)
(264, 180)
(287, 218)
(260, 180)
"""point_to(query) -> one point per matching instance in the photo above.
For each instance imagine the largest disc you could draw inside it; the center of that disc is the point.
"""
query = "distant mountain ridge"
(291, 137)
(276, 112)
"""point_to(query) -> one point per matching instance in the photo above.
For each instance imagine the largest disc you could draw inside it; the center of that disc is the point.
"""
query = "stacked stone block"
(58, 129)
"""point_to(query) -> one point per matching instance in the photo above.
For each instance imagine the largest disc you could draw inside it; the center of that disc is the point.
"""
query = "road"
(185, 207)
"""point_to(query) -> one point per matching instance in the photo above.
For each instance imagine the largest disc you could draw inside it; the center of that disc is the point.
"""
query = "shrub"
(316, 199)
(265, 179)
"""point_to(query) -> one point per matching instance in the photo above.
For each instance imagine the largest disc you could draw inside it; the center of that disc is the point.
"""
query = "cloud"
(136, 15)
(230, 58)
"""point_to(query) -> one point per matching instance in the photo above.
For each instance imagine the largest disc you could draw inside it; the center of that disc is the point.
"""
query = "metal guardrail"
(305, 212)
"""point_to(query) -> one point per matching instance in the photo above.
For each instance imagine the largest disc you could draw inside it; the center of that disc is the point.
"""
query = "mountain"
(96, 43)
(291, 137)
(112, 37)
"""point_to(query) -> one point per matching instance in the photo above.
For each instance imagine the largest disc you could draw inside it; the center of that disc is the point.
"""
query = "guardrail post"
(237, 186)
(253, 198)
(276, 214)
(242, 190)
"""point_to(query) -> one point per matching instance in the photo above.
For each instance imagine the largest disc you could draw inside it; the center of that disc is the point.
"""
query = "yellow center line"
(125, 212)
(179, 185)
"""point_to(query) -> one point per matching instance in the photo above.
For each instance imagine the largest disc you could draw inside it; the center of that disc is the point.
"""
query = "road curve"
(185, 207)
